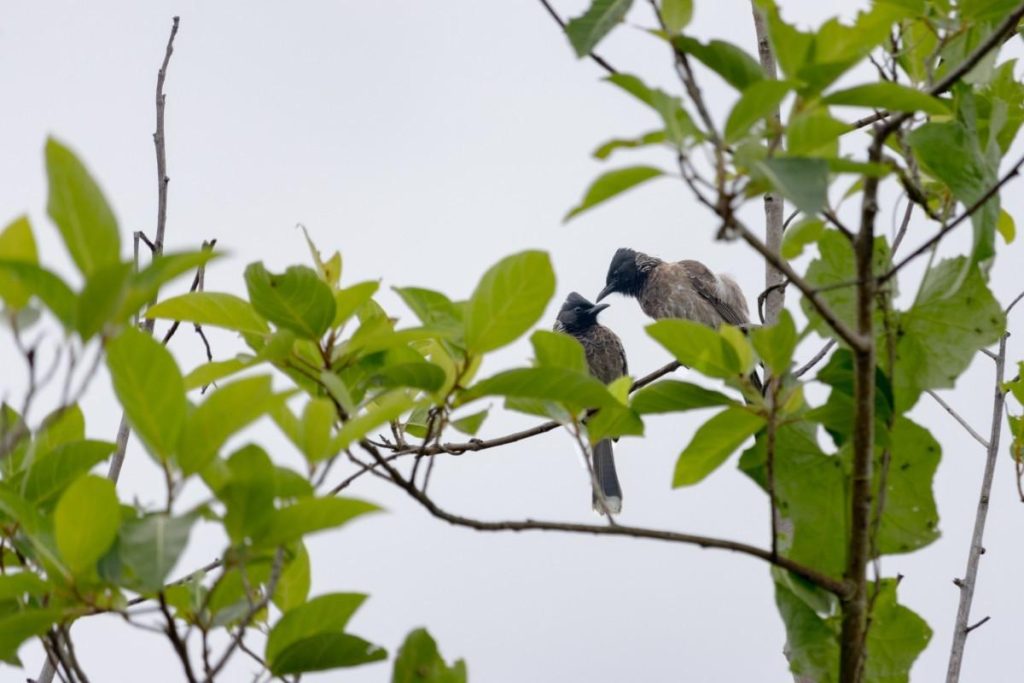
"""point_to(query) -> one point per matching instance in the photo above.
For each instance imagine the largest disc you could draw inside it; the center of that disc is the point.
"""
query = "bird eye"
(578, 309)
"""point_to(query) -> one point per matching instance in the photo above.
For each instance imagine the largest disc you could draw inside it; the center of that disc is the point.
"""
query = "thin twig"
(176, 642)
(815, 359)
(968, 583)
(956, 416)
(593, 55)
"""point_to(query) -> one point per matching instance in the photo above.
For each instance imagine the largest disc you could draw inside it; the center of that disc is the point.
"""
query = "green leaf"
(758, 101)
(611, 184)
(101, 298)
(322, 614)
(329, 271)
(697, 346)
(951, 152)
(775, 344)
(309, 515)
(613, 421)
(80, 211)
(732, 63)
(587, 30)
(416, 375)
(713, 443)
(814, 133)
(508, 300)
(572, 387)
(1006, 226)
(18, 245)
(51, 473)
(211, 308)
(833, 274)
(896, 638)
(656, 137)
(676, 14)
(803, 181)
(886, 95)
(297, 300)
(812, 643)
(558, 350)
(670, 396)
(317, 423)
(326, 651)
(225, 411)
(18, 627)
(36, 528)
(347, 301)
(293, 586)
(45, 286)
(679, 127)
(151, 546)
(419, 661)
(145, 284)
(470, 424)
(208, 373)
(940, 334)
(384, 409)
(909, 519)
(150, 388)
(17, 586)
(86, 522)
(806, 231)
(432, 308)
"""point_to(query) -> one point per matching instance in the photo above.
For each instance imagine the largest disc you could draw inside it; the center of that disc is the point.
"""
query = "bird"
(685, 289)
(606, 360)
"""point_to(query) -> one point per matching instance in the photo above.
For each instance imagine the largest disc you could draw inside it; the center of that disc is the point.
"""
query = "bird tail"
(607, 479)
(756, 381)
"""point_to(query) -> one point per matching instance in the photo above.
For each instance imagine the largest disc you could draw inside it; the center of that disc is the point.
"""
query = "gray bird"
(685, 289)
(606, 361)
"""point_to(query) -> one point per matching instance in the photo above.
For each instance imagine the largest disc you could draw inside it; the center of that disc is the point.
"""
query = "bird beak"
(606, 291)
(598, 308)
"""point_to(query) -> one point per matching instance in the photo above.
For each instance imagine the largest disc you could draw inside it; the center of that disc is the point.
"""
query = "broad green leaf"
(910, 519)
(886, 95)
(713, 443)
(347, 301)
(416, 375)
(572, 387)
(45, 286)
(679, 127)
(246, 484)
(1006, 226)
(814, 133)
(675, 14)
(18, 245)
(309, 515)
(432, 308)
(60, 427)
(17, 586)
(940, 334)
(297, 300)
(144, 285)
(53, 471)
(775, 344)
(611, 184)
(470, 424)
(985, 10)
(326, 651)
(383, 410)
(558, 350)
(322, 614)
(803, 181)
(697, 346)
(588, 29)
(318, 419)
(18, 627)
(669, 396)
(37, 528)
(293, 586)
(812, 644)
(732, 63)
(150, 388)
(896, 638)
(951, 152)
(80, 211)
(224, 412)
(151, 546)
(758, 101)
(805, 231)
(741, 346)
(211, 308)
(613, 421)
(101, 298)
(656, 137)
(508, 300)
(208, 373)
(418, 661)
(86, 522)
(330, 270)
(836, 415)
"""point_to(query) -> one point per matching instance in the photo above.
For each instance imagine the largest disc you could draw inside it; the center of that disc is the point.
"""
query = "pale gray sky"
(426, 140)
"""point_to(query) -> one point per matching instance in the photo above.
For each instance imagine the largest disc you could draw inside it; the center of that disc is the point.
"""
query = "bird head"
(624, 274)
(578, 314)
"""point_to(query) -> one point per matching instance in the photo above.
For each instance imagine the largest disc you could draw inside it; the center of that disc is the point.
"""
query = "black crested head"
(624, 274)
(577, 314)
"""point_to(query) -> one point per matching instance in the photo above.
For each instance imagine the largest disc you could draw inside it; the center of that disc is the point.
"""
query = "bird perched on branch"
(606, 360)
(684, 289)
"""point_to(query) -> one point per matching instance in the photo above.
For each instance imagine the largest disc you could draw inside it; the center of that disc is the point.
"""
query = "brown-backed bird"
(606, 361)
(684, 289)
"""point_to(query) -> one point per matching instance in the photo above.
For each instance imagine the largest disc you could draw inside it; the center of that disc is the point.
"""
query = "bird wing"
(723, 294)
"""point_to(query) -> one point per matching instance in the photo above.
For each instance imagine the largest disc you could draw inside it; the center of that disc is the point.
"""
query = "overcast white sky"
(426, 140)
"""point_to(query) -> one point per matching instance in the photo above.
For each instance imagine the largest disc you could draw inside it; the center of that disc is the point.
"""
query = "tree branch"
(593, 55)
(963, 613)
(956, 416)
